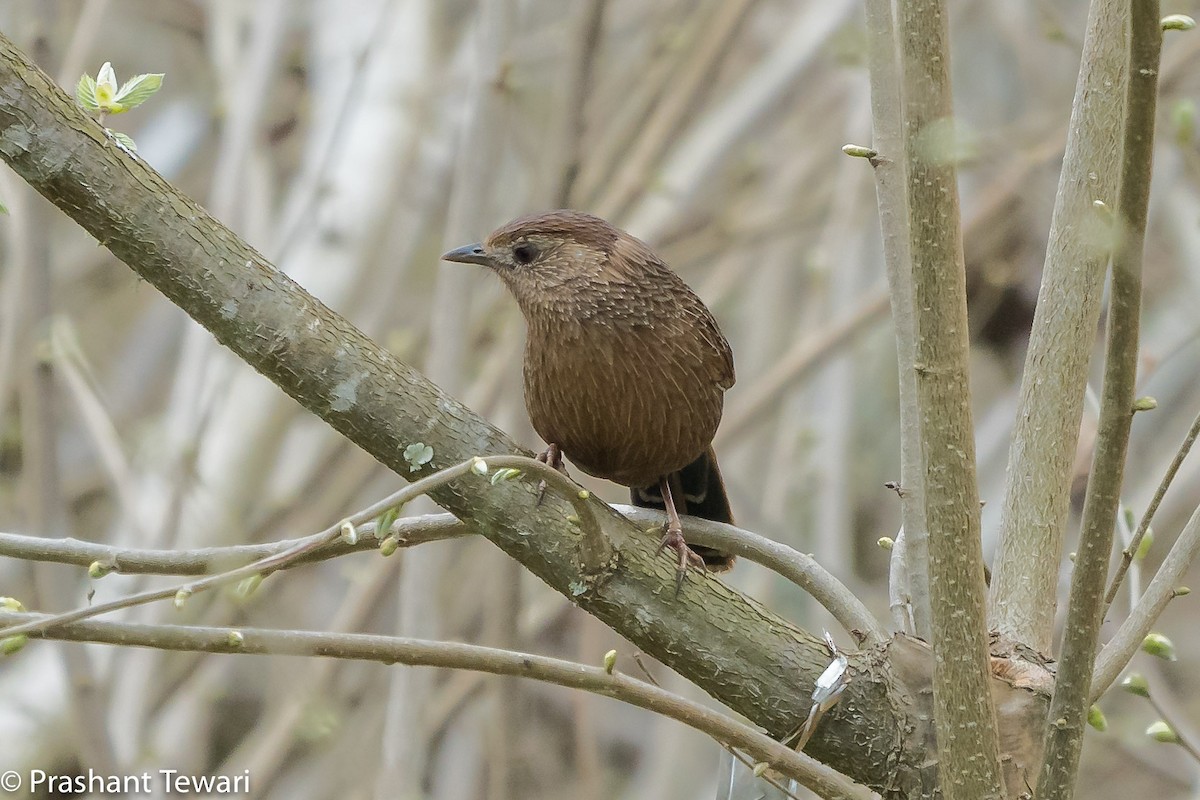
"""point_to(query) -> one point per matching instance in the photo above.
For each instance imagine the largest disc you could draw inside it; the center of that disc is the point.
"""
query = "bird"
(625, 368)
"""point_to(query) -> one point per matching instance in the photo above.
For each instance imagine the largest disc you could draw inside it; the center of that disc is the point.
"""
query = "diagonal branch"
(1125, 643)
(1135, 541)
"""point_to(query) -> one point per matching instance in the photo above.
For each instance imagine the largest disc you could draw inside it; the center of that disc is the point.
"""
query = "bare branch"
(964, 710)
(264, 566)
(1069, 706)
(1124, 644)
(1025, 571)
(1135, 541)
(799, 568)
(455, 655)
(910, 558)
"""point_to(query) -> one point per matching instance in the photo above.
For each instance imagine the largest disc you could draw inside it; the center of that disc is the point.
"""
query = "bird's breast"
(628, 405)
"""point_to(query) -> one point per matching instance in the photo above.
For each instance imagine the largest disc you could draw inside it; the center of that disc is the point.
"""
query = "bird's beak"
(469, 254)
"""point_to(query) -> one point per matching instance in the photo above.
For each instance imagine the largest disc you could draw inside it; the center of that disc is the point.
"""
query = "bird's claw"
(673, 538)
(551, 457)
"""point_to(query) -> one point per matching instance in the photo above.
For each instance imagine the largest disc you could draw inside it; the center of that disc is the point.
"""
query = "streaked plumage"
(625, 368)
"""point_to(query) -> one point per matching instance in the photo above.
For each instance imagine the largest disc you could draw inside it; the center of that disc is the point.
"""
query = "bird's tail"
(699, 492)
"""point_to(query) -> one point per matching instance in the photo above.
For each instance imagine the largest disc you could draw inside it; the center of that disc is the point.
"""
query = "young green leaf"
(85, 93)
(106, 86)
(124, 141)
(11, 604)
(384, 522)
(136, 91)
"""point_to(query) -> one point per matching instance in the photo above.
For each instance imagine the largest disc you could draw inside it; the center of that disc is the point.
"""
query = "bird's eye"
(525, 253)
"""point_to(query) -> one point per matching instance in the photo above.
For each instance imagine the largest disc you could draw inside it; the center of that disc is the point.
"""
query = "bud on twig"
(1145, 404)
(1159, 646)
(859, 151)
(1178, 22)
(1162, 732)
(1136, 683)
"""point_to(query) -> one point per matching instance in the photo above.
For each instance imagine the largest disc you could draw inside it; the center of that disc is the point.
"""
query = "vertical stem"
(1068, 708)
(912, 557)
(1025, 573)
(964, 711)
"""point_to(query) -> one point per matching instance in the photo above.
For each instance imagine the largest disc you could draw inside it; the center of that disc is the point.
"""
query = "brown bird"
(625, 367)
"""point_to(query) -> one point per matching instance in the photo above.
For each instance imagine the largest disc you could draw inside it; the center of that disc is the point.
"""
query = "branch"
(1167, 715)
(1026, 566)
(799, 568)
(264, 566)
(737, 651)
(1081, 630)
(964, 710)
(910, 558)
(455, 655)
(1115, 655)
(1135, 541)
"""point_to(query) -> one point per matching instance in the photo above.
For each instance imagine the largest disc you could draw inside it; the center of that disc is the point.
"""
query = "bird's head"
(550, 257)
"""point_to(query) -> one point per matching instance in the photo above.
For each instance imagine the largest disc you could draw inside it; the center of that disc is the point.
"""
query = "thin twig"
(1167, 716)
(909, 575)
(797, 567)
(596, 550)
(456, 655)
(263, 566)
(1131, 548)
(1115, 655)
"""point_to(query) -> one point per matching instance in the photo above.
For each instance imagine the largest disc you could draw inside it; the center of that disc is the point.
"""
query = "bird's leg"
(551, 457)
(673, 537)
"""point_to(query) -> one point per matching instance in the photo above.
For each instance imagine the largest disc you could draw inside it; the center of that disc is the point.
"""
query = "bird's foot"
(551, 457)
(673, 539)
